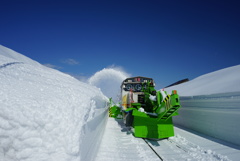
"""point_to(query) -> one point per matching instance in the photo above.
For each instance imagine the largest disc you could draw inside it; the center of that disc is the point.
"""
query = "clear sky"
(165, 40)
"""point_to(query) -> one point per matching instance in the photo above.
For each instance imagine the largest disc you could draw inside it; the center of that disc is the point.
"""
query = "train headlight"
(128, 87)
(138, 87)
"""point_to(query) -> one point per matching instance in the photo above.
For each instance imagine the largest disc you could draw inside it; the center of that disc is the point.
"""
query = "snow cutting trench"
(36, 125)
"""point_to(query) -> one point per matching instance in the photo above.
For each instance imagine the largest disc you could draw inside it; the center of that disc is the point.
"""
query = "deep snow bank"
(210, 104)
(44, 114)
(215, 115)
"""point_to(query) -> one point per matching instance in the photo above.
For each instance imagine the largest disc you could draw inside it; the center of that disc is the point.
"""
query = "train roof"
(136, 79)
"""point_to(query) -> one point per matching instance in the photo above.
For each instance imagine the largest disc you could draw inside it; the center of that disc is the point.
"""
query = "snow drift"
(44, 113)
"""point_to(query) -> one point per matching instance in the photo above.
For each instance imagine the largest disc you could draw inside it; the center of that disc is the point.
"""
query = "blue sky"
(165, 40)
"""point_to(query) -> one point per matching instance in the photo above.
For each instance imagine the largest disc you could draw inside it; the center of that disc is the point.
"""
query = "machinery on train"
(148, 111)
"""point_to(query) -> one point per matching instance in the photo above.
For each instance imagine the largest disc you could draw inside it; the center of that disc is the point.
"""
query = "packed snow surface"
(221, 81)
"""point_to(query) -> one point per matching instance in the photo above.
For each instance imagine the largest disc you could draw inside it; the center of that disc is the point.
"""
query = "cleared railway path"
(119, 144)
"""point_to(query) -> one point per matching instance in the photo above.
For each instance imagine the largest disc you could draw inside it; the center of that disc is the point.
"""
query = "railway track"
(119, 144)
(153, 149)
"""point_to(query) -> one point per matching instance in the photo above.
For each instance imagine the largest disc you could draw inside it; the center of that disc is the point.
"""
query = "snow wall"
(216, 115)
(49, 115)
(46, 114)
(211, 104)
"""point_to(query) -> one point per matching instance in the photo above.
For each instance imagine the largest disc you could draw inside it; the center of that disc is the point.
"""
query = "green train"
(148, 111)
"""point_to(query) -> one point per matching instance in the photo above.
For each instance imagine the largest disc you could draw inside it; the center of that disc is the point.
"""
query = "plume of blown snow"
(109, 81)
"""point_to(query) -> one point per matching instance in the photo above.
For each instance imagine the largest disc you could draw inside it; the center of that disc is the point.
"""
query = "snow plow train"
(147, 111)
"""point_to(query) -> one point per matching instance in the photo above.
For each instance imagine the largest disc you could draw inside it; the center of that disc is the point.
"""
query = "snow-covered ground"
(49, 115)
(119, 144)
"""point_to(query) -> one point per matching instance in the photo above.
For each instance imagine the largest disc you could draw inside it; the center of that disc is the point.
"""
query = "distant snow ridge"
(221, 81)
(109, 81)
